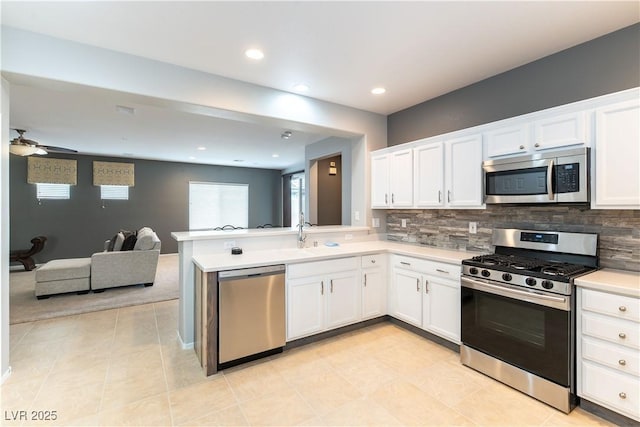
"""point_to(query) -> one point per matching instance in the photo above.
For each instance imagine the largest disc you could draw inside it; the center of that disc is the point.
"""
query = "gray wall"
(604, 65)
(160, 199)
(330, 192)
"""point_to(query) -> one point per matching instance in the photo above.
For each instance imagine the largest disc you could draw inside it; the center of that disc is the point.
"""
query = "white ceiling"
(416, 50)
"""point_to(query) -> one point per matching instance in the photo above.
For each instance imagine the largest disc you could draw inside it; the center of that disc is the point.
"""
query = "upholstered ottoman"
(63, 275)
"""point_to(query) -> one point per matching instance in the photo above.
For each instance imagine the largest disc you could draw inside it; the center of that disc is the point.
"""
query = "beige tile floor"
(126, 367)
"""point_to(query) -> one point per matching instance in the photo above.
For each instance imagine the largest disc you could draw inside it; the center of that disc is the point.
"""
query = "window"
(214, 205)
(52, 191)
(297, 197)
(114, 192)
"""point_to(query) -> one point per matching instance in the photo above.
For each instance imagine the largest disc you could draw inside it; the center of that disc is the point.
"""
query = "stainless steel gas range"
(518, 311)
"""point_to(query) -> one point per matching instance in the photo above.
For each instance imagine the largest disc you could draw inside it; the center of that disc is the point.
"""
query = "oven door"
(529, 330)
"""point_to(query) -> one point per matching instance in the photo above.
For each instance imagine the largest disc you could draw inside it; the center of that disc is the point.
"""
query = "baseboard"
(5, 375)
(185, 346)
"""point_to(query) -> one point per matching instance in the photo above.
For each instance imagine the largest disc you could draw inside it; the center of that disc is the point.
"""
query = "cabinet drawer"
(320, 268)
(409, 263)
(614, 305)
(446, 271)
(611, 389)
(615, 356)
(614, 330)
(369, 261)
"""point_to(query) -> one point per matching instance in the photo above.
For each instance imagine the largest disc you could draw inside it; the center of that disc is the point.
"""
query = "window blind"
(214, 205)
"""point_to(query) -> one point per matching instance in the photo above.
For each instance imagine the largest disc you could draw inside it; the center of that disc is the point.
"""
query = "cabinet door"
(402, 178)
(343, 300)
(617, 152)
(380, 197)
(305, 306)
(464, 171)
(374, 290)
(441, 308)
(507, 140)
(560, 131)
(407, 298)
(429, 175)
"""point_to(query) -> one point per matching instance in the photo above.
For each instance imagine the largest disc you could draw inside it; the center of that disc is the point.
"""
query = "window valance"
(113, 173)
(51, 171)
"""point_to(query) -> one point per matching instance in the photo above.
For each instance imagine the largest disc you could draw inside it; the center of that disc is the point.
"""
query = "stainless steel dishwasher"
(251, 314)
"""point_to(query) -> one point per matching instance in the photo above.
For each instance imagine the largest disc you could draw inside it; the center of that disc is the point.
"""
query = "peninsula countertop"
(256, 258)
(182, 236)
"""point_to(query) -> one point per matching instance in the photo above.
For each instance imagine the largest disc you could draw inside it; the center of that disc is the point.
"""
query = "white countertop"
(182, 236)
(610, 280)
(226, 261)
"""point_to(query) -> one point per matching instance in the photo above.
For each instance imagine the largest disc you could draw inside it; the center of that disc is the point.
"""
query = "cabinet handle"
(442, 271)
(622, 308)
(536, 145)
(522, 147)
(373, 261)
(365, 280)
(622, 335)
(393, 199)
(386, 198)
(331, 285)
(449, 196)
(439, 196)
(405, 263)
(322, 288)
(622, 362)
(418, 285)
(622, 395)
(426, 286)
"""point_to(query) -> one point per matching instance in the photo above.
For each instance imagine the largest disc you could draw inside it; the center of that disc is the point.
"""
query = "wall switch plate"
(473, 227)
(356, 215)
(229, 244)
(404, 223)
(376, 222)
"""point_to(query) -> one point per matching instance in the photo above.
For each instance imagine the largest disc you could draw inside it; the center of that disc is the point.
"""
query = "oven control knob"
(473, 270)
(547, 284)
(486, 273)
(530, 281)
(506, 277)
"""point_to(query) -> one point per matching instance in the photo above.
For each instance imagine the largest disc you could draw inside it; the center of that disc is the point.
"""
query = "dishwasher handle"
(250, 272)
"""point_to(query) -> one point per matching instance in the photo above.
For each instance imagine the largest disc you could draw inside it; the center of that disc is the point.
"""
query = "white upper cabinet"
(616, 175)
(508, 140)
(448, 174)
(463, 172)
(392, 179)
(429, 175)
(560, 131)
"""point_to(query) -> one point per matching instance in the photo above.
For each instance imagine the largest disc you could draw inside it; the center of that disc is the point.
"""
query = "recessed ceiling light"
(275, 156)
(378, 90)
(202, 148)
(301, 87)
(256, 54)
(125, 110)
(238, 160)
(191, 158)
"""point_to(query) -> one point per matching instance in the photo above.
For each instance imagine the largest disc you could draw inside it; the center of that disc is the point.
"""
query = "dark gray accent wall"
(160, 199)
(618, 231)
(610, 63)
(330, 192)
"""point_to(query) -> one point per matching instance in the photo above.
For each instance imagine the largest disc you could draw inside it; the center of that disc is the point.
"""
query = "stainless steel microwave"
(554, 177)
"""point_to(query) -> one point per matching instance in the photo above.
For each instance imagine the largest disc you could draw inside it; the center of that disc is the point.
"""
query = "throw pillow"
(145, 240)
(112, 242)
(129, 243)
(119, 242)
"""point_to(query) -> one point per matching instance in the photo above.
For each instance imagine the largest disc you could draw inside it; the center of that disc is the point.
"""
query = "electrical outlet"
(356, 215)
(230, 244)
(473, 227)
(376, 222)
(404, 223)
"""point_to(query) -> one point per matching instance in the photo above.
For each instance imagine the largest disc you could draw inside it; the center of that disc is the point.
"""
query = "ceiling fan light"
(41, 151)
(23, 149)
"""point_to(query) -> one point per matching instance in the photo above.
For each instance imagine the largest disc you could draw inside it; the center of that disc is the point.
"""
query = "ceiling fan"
(22, 146)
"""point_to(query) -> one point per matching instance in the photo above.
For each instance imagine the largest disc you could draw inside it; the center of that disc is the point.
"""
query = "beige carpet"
(25, 307)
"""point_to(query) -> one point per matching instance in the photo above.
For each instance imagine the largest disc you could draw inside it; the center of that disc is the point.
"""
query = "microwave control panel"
(568, 178)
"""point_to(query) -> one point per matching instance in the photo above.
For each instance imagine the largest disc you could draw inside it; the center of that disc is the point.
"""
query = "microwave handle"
(552, 196)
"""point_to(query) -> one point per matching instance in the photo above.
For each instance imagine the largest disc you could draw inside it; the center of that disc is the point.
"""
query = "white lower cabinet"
(608, 358)
(374, 286)
(322, 295)
(426, 294)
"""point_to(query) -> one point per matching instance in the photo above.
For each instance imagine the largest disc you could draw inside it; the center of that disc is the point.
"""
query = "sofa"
(126, 260)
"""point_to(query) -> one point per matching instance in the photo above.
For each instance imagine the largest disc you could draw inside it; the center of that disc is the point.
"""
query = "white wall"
(4, 234)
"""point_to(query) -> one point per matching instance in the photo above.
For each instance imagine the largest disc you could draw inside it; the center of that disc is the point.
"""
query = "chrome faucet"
(301, 236)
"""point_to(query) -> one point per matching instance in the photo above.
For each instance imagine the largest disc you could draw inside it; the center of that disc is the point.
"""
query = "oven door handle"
(559, 302)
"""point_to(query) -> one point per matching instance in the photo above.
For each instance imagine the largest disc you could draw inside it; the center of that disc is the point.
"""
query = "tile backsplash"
(618, 230)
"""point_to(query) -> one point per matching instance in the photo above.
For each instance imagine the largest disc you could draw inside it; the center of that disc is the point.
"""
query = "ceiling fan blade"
(53, 149)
